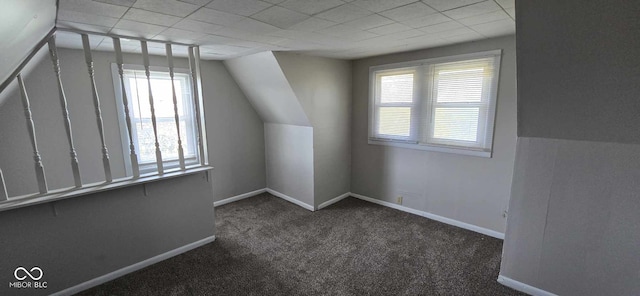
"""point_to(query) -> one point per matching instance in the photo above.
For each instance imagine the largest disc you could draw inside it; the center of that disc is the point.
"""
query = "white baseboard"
(431, 216)
(291, 199)
(333, 200)
(522, 287)
(239, 197)
(134, 267)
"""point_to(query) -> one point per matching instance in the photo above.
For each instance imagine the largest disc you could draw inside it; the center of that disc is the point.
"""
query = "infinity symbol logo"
(28, 273)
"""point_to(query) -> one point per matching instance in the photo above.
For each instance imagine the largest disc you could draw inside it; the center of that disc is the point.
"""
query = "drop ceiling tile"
(497, 28)
(311, 7)
(85, 18)
(381, 5)
(506, 3)
(216, 39)
(223, 49)
(179, 35)
(196, 26)
(428, 20)
(355, 36)
(140, 29)
(344, 13)
(369, 22)
(74, 40)
(274, 1)
(407, 12)
(484, 18)
(280, 17)
(337, 30)
(255, 27)
(511, 12)
(92, 7)
(126, 3)
(240, 7)
(441, 27)
(450, 33)
(196, 2)
(442, 5)
(170, 7)
(312, 24)
(389, 29)
(411, 33)
(215, 17)
(473, 9)
(149, 17)
(458, 38)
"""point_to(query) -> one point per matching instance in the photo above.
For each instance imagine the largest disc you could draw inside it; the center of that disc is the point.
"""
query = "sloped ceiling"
(23, 23)
(331, 28)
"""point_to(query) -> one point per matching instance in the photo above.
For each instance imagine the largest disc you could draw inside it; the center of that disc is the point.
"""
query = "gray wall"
(289, 154)
(323, 87)
(573, 226)
(473, 190)
(238, 159)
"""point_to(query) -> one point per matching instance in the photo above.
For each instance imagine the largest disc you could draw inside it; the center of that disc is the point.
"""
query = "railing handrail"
(26, 60)
(123, 37)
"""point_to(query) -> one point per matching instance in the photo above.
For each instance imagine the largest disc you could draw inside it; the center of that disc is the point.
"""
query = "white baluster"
(96, 103)
(145, 58)
(3, 188)
(193, 66)
(65, 112)
(132, 148)
(175, 105)
(40, 177)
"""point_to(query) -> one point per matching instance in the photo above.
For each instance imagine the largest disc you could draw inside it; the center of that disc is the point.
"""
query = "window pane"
(167, 138)
(396, 88)
(394, 121)
(455, 86)
(460, 124)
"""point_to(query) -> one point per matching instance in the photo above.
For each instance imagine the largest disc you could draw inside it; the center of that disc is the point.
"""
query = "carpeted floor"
(267, 246)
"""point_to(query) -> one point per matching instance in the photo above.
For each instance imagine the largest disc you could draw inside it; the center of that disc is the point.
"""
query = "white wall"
(238, 159)
(469, 189)
(289, 154)
(573, 226)
(323, 87)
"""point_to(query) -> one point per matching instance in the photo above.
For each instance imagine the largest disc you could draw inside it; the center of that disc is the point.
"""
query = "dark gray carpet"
(267, 246)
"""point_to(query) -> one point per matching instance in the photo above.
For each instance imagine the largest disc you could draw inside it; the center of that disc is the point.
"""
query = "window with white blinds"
(445, 104)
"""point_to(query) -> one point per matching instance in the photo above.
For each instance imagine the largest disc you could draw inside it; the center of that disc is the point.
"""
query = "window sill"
(60, 194)
(433, 148)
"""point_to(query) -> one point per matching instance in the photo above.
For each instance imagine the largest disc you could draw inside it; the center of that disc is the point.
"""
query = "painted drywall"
(262, 81)
(323, 87)
(469, 189)
(573, 226)
(23, 23)
(289, 154)
(238, 160)
(591, 93)
(78, 239)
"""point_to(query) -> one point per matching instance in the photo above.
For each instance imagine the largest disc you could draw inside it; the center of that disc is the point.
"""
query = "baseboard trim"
(333, 200)
(431, 216)
(238, 197)
(291, 199)
(134, 267)
(522, 287)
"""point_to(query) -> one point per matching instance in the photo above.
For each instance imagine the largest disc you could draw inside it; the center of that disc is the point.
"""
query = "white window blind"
(447, 102)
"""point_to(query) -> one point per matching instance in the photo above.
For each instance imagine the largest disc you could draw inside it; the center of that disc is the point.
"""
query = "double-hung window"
(137, 91)
(445, 104)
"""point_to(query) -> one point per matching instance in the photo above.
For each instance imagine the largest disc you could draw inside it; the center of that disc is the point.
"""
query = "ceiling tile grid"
(333, 28)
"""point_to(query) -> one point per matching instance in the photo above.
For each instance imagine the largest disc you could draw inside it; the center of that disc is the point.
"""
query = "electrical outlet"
(399, 200)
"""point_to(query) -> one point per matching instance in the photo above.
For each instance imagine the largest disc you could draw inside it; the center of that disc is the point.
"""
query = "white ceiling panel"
(170, 7)
(311, 7)
(344, 13)
(240, 7)
(407, 12)
(280, 17)
(150, 17)
(331, 28)
(381, 5)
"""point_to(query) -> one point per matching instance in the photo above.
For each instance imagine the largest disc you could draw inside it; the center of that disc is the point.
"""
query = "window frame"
(423, 125)
(188, 108)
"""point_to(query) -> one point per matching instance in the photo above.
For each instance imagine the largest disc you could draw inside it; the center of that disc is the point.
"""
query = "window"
(137, 91)
(444, 104)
